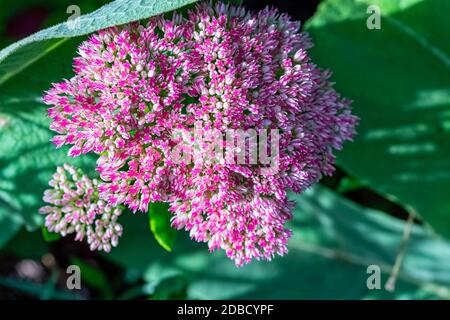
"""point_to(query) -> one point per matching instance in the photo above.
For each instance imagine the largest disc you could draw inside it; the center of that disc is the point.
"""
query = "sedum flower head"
(75, 208)
(219, 69)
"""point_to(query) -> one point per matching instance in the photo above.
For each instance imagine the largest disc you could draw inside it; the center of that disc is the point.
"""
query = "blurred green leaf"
(171, 288)
(9, 225)
(28, 245)
(18, 56)
(348, 184)
(398, 77)
(333, 243)
(137, 291)
(42, 291)
(50, 236)
(159, 216)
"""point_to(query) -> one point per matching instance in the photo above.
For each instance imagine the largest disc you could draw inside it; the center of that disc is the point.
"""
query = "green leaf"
(28, 161)
(398, 77)
(334, 241)
(27, 245)
(50, 236)
(170, 289)
(159, 216)
(348, 184)
(18, 56)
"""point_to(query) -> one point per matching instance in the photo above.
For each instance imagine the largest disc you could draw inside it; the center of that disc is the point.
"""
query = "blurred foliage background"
(398, 166)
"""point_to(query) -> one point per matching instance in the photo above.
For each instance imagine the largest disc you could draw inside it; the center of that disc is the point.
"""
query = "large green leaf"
(399, 79)
(25, 52)
(334, 241)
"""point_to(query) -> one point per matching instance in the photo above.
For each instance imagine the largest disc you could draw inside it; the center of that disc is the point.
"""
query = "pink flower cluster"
(136, 84)
(76, 208)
